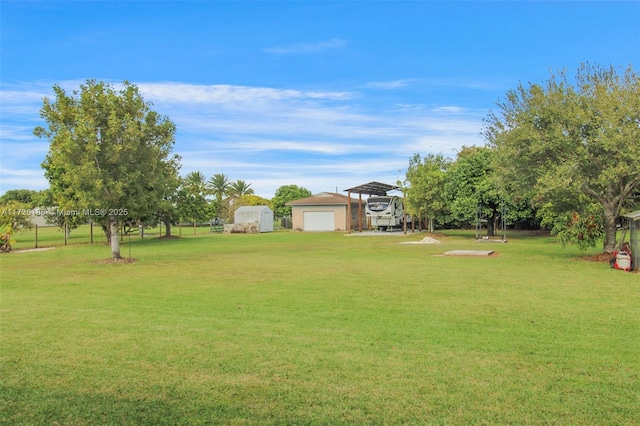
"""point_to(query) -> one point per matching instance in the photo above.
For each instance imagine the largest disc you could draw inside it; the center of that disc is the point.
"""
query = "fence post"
(65, 234)
(91, 232)
(36, 235)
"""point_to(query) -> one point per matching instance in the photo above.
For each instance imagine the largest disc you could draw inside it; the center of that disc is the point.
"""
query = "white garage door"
(319, 221)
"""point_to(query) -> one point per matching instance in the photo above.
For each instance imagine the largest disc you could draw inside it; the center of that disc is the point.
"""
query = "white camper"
(386, 212)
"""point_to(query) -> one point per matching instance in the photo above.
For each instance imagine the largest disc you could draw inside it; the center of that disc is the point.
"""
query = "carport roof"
(373, 188)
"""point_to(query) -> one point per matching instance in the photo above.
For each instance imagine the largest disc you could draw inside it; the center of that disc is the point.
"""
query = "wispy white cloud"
(266, 136)
(464, 83)
(314, 47)
(184, 93)
(452, 109)
(22, 179)
(13, 133)
(317, 176)
(13, 151)
(452, 82)
(390, 85)
(20, 97)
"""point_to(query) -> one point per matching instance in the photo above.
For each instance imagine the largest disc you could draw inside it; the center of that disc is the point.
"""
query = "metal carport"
(371, 188)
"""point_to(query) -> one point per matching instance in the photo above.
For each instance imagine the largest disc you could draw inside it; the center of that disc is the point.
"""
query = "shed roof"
(373, 188)
(633, 215)
(323, 198)
(252, 209)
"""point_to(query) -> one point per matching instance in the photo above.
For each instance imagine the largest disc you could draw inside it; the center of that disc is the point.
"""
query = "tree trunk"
(115, 241)
(611, 204)
(610, 229)
(106, 228)
(491, 225)
(167, 225)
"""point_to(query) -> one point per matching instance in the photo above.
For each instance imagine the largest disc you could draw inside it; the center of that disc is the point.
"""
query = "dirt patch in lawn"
(425, 240)
(115, 261)
(32, 250)
(600, 257)
(467, 253)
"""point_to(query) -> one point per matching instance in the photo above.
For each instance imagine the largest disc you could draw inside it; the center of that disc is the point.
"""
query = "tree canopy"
(571, 146)
(219, 185)
(191, 198)
(287, 193)
(250, 200)
(109, 153)
(15, 214)
(25, 196)
(239, 188)
(470, 186)
(196, 183)
(425, 197)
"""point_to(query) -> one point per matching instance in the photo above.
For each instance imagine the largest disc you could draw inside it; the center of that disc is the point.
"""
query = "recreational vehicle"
(386, 212)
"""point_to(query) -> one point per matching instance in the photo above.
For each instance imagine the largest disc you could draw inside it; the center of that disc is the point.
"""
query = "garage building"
(326, 211)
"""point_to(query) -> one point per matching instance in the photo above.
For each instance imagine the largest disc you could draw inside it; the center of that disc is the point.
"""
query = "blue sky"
(325, 95)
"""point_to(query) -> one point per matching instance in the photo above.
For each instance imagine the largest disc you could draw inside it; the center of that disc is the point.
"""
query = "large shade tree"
(287, 193)
(425, 196)
(109, 152)
(571, 145)
(471, 189)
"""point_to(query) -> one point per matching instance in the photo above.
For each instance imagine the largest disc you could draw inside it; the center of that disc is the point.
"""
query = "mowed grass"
(318, 328)
(51, 236)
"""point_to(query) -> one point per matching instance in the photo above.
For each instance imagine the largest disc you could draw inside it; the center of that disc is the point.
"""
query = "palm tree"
(240, 188)
(219, 185)
(193, 205)
(196, 183)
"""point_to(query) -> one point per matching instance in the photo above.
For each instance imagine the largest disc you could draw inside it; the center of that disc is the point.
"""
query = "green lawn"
(50, 236)
(318, 328)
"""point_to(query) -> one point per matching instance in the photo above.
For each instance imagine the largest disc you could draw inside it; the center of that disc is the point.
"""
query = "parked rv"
(386, 212)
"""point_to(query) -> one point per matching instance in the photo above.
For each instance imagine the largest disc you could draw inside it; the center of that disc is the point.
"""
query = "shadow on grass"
(165, 408)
